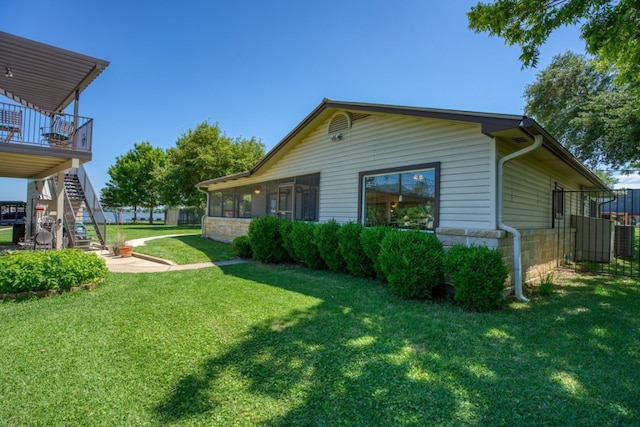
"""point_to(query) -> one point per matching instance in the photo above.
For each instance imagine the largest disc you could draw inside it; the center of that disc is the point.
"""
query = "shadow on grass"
(188, 249)
(361, 356)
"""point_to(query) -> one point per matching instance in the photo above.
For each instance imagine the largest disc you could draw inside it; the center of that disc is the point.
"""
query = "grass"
(6, 235)
(252, 344)
(137, 231)
(187, 249)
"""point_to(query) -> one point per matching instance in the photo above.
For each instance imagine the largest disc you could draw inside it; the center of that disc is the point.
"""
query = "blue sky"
(259, 67)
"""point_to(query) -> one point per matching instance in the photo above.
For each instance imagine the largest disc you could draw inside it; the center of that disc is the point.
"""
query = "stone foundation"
(225, 229)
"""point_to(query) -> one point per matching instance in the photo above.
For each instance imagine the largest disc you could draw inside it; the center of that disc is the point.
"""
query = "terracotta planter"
(125, 251)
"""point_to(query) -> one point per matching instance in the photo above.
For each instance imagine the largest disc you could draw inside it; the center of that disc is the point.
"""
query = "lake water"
(127, 217)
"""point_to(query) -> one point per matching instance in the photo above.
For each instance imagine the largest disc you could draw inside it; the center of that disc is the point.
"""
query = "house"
(43, 138)
(622, 206)
(468, 177)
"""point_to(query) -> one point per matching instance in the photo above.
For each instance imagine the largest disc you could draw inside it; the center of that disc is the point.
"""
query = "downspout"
(206, 210)
(517, 249)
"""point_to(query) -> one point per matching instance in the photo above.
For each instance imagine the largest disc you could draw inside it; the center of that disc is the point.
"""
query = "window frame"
(399, 170)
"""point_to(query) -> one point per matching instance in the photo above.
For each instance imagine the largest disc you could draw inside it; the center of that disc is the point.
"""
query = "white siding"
(379, 142)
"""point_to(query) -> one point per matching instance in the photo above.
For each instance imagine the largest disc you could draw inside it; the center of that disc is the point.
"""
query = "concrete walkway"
(141, 263)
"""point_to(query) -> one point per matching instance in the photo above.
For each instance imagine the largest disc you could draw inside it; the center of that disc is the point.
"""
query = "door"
(285, 201)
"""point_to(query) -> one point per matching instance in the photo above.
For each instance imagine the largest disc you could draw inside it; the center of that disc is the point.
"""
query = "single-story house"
(468, 177)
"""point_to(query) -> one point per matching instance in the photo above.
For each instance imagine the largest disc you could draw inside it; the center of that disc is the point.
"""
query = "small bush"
(241, 247)
(286, 226)
(304, 248)
(412, 262)
(24, 271)
(478, 275)
(266, 241)
(371, 239)
(358, 263)
(325, 236)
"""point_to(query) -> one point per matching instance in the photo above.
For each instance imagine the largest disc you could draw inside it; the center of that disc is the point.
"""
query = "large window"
(231, 203)
(294, 198)
(404, 197)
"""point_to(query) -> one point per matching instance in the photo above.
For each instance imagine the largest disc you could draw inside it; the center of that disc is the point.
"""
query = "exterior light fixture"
(336, 137)
(7, 72)
(257, 190)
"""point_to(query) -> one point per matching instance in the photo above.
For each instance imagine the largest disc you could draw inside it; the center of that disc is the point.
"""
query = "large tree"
(578, 104)
(610, 28)
(134, 177)
(201, 154)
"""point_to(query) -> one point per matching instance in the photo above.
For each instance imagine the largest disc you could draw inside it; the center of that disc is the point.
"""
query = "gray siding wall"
(379, 142)
(528, 193)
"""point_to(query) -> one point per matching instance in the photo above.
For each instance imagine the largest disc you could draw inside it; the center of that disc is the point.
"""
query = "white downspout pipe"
(517, 252)
(206, 211)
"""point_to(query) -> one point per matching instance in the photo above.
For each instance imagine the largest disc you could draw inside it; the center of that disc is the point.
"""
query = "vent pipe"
(517, 244)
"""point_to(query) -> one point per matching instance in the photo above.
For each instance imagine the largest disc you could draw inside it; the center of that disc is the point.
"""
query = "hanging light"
(7, 72)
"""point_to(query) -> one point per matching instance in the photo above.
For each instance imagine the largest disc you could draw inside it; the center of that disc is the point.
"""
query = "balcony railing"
(21, 125)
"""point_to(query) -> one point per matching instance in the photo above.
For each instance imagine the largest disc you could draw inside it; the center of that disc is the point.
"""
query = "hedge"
(23, 271)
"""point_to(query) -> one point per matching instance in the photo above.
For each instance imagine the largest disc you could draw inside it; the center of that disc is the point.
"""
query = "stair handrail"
(92, 202)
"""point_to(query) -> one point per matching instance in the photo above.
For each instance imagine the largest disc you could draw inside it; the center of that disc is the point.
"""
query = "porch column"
(59, 210)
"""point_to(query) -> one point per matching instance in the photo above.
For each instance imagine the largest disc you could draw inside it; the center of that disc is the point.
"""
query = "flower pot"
(125, 251)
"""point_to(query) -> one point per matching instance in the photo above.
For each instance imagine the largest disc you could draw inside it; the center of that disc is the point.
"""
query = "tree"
(610, 28)
(134, 178)
(110, 200)
(202, 154)
(578, 104)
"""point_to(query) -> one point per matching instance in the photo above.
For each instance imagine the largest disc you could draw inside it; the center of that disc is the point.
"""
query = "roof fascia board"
(489, 122)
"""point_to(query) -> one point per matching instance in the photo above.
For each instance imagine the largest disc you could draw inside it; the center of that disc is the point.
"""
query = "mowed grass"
(252, 344)
(6, 235)
(187, 249)
(137, 231)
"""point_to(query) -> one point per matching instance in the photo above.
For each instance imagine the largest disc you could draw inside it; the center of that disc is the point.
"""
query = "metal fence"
(598, 230)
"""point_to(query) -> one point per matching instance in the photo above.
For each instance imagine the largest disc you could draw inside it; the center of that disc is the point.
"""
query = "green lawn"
(187, 249)
(136, 231)
(6, 235)
(251, 344)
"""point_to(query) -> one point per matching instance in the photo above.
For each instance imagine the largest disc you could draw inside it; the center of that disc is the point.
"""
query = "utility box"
(18, 233)
(623, 242)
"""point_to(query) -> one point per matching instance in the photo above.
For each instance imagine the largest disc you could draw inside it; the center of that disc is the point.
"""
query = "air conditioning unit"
(623, 241)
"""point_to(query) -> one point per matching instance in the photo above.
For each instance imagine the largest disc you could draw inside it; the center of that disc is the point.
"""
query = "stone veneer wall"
(225, 229)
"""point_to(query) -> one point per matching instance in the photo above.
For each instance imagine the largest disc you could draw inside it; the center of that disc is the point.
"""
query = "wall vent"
(339, 123)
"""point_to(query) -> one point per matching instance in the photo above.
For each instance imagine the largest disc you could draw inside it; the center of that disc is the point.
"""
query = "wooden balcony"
(35, 145)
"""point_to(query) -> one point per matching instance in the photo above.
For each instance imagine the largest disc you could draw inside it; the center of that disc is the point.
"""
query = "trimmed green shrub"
(304, 248)
(24, 271)
(266, 241)
(478, 276)
(325, 236)
(358, 263)
(371, 239)
(286, 226)
(241, 247)
(412, 262)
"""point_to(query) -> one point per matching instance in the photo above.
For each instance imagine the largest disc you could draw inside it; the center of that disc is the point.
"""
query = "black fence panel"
(598, 230)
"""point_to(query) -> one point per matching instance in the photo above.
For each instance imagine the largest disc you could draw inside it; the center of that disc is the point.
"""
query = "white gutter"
(206, 211)
(517, 252)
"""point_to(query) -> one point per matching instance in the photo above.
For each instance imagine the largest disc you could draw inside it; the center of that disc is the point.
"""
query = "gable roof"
(44, 78)
(516, 127)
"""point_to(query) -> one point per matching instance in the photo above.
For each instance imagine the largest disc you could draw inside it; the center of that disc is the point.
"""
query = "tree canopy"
(579, 104)
(201, 154)
(610, 28)
(134, 178)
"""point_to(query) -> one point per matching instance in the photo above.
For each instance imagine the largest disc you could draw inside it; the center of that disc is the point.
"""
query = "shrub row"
(413, 263)
(24, 271)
